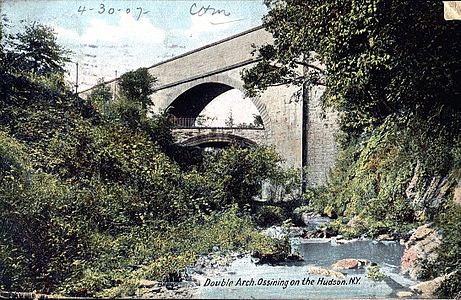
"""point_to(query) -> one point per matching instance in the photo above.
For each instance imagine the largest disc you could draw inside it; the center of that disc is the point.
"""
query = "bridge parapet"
(193, 123)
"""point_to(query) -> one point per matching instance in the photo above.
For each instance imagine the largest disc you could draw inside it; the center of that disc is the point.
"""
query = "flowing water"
(244, 279)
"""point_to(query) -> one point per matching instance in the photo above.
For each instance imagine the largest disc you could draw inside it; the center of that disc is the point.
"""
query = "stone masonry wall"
(322, 147)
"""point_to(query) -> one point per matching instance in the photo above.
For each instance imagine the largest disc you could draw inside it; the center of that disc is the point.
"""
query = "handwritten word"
(111, 10)
(204, 10)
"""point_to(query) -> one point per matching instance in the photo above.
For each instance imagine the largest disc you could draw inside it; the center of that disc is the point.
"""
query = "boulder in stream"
(350, 263)
(325, 272)
(275, 258)
(427, 288)
(404, 294)
(314, 221)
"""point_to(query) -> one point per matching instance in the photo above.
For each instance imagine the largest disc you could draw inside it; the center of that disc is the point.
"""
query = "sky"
(112, 37)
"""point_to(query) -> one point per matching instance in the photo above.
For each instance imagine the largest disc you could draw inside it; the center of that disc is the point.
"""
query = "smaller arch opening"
(216, 140)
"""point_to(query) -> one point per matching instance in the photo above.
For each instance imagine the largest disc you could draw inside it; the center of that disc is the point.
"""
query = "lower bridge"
(219, 137)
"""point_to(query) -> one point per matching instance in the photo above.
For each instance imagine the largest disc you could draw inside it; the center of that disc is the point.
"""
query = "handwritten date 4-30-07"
(139, 11)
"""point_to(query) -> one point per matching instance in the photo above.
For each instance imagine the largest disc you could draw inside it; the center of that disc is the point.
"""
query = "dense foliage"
(94, 195)
(391, 180)
(392, 70)
(138, 86)
(381, 57)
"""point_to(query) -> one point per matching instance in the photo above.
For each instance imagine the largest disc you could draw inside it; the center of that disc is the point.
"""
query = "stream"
(244, 279)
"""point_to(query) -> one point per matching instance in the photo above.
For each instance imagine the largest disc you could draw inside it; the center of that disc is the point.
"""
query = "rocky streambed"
(331, 268)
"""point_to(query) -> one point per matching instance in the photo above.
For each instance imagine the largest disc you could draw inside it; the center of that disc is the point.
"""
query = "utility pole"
(76, 79)
(115, 85)
(304, 133)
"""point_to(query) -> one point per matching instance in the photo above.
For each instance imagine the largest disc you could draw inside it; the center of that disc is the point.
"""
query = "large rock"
(404, 294)
(144, 283)
(420, 248)
(350, 263)
(457, 193)
(275, 258)
(428, 288)
(430, 199)
(385, 237)
(325, 272)
(314, 221)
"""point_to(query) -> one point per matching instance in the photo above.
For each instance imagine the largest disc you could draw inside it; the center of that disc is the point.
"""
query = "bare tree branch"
(303, 63)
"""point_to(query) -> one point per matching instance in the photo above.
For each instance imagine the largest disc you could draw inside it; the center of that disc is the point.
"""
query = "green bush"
(154, 253)
(14, 166)
(83, 240)
(239, 172)
(375, 274)
(84, 235)
(266, 216)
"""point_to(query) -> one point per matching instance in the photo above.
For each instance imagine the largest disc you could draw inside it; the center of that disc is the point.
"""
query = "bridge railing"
(183, 122)
(190, 123)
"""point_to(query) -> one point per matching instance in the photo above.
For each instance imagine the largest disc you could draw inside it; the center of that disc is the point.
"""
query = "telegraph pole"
(76, 79)
(115, 85)
(304, 129)
(304, 132)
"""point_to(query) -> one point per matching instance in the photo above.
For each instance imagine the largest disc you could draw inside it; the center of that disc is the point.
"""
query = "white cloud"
(127, 31)
(66, 35)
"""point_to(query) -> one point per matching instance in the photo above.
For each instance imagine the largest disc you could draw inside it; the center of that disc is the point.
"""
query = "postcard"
(230, 149)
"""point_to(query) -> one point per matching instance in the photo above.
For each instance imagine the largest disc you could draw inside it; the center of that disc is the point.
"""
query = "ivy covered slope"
(94, 196)
(392, 70)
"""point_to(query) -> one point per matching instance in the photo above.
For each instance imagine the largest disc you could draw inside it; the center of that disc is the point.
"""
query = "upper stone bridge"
(293, 119)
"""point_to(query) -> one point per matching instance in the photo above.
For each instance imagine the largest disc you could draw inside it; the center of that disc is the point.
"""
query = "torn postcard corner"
(452, 10)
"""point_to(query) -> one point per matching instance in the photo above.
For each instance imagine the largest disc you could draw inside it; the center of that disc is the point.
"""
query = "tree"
(6, 61)
(381, 57)
(258, 120)
(37, 50)
(2, 53)
(229, 122)
(101, 95)
(137, 86)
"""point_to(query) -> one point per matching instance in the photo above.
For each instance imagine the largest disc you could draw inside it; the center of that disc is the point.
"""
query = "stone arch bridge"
(293, 122)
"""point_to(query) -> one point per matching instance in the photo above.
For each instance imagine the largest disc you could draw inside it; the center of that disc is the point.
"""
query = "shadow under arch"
(191, 100)
(218, 139)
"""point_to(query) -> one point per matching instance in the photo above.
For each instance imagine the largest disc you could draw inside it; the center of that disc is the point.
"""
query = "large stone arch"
(190, 103)
(222, 80)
